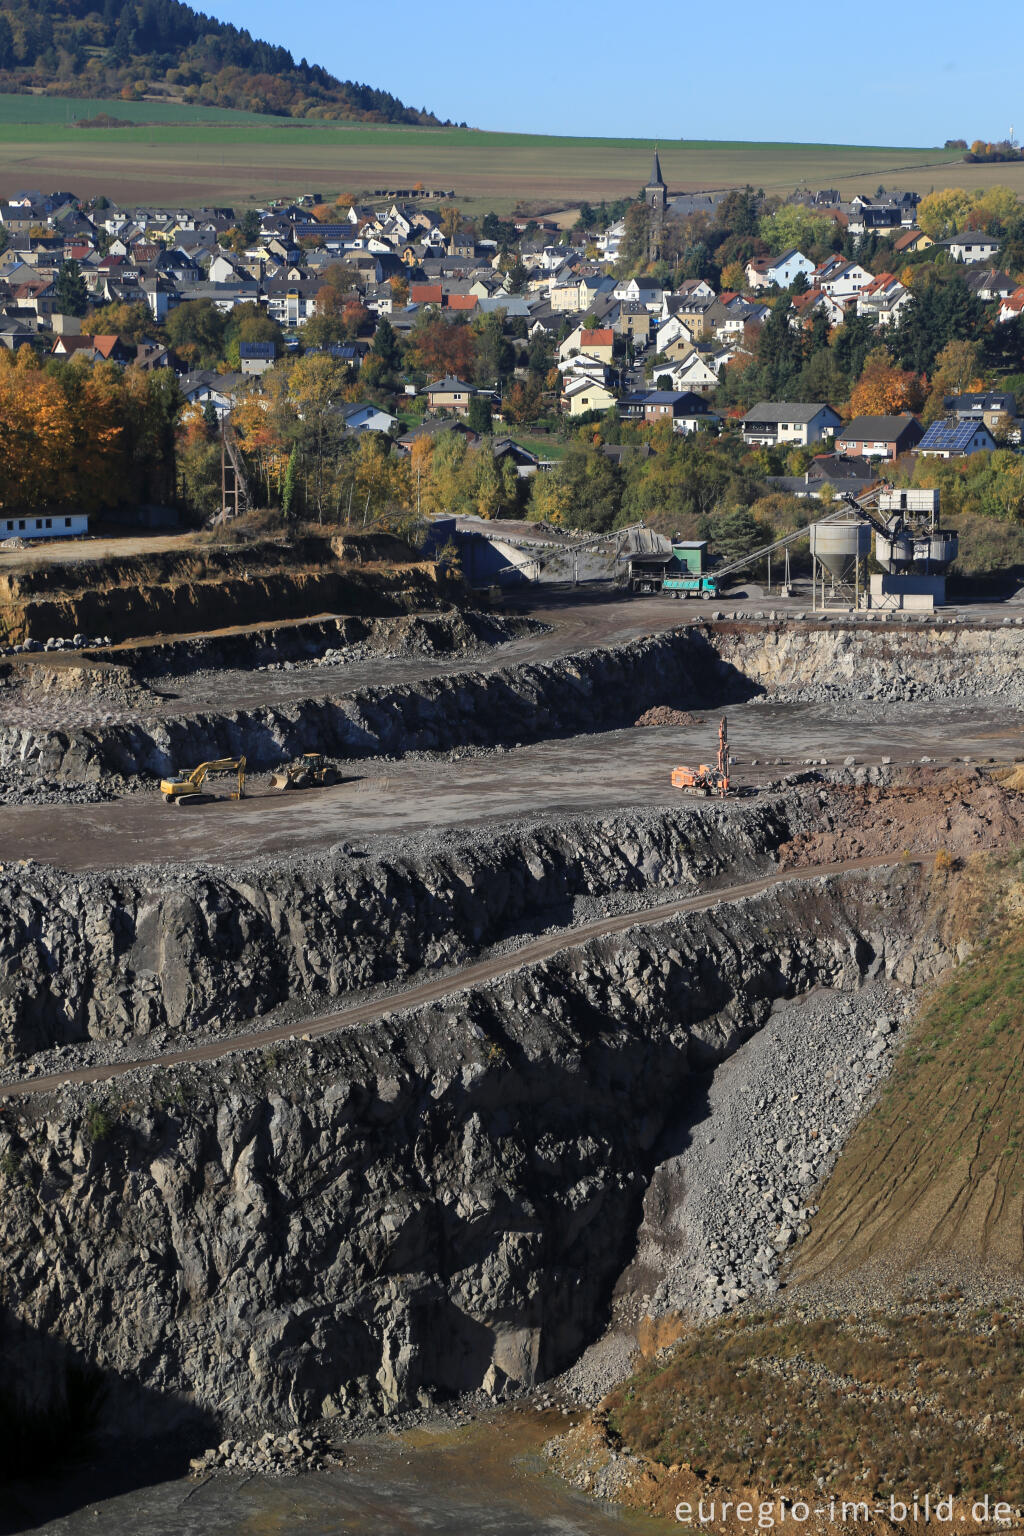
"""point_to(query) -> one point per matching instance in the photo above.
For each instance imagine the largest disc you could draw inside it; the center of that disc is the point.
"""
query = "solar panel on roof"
(941, 435)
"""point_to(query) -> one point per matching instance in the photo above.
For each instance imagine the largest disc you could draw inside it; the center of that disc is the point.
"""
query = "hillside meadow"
(203, 154)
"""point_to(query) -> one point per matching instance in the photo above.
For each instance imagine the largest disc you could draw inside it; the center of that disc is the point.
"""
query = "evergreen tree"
(478, 418)
(72, 296)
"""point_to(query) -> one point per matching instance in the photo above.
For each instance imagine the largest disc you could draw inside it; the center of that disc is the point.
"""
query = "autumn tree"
(133, 322)
(450, 220)
(315, 385)
(522, 402)
(885, 390)
(438, 347)
(195, 330)
(955, 372)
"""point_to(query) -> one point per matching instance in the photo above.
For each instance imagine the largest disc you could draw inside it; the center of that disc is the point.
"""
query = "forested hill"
(126, 48)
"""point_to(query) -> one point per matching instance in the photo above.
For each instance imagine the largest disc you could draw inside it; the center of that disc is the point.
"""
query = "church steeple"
(656, 198)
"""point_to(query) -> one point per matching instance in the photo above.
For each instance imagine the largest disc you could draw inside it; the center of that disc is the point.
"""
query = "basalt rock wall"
(118, 954)
(439, 1202)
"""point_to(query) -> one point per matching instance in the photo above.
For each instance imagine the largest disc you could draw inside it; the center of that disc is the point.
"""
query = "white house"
(841, 279)
(367, 418)
(693, 373)
(788, 422)
(883, 299)
(1013, 307)
(640, 291)
(971, 245)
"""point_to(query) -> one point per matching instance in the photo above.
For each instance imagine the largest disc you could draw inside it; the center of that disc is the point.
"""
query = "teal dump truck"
(690, 586)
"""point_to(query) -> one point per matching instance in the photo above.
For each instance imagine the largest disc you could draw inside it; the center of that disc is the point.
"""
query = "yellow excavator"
(309, 771)
(186, 788)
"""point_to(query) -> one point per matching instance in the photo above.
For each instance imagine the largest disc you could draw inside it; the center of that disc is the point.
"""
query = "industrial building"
(683, 557)
(912, 550)
(71, 525)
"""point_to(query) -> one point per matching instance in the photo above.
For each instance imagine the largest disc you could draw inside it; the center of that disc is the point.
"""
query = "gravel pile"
(663, 714)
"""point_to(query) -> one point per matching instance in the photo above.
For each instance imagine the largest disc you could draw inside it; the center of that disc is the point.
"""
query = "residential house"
(955, 439)
(640, 290)
(1013, 307)
(449, 394)
(840, 474)
(367, 418)
(689, 288)
(599, 343)
(581, 394)
(990, 284)
(970, 246)
(632, 318)
(631, 406)
(426, 293)
(291, 304)
(693, 373)
(526, 463)
(883, 300)
(912, 241)
(255, 357)
(839, 278)
(778, 271)
(112, 349)
(879, 437)
(203, 385)
(804, 306)
(996, 408)
(801, 423)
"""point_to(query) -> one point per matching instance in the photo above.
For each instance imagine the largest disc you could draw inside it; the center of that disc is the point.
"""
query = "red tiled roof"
(602, 338)
(462, 301)
(425, 293)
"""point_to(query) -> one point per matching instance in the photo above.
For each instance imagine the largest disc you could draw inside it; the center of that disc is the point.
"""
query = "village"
(702, 362)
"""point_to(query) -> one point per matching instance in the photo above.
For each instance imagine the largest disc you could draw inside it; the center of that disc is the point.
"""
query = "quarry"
(476, 1077)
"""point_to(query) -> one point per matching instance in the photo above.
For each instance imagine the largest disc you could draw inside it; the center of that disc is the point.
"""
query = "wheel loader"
(186, 786)
(308, 773)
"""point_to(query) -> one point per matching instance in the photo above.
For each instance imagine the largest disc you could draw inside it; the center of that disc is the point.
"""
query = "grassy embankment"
(901, 1368)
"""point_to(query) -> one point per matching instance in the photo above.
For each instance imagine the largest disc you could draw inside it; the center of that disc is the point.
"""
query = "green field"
(61, 111)
(206, 154)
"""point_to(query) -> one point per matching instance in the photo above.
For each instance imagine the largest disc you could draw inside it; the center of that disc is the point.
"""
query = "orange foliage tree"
(84, 435)
(440, 347)
(885, 390)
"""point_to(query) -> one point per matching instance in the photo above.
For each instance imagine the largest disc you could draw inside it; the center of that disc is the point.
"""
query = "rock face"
(591, 690)
(439, 1202)
(111, 955)
(887, 663)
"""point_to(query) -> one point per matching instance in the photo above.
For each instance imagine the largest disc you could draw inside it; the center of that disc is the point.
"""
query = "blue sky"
(874, 74)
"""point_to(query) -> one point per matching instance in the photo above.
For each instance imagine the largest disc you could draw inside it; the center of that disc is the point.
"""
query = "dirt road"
(448, 985)
(569, 775)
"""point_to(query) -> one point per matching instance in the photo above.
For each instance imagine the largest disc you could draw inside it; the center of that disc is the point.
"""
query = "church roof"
(656, 177)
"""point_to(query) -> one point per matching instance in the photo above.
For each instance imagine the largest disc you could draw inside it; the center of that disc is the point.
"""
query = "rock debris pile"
(271, 1455)
(773, 1122)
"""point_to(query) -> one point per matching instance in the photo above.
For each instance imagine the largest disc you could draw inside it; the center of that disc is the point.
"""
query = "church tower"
(656, 198)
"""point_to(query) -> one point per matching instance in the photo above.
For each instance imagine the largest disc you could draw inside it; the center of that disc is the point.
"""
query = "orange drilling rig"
(707, 780)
